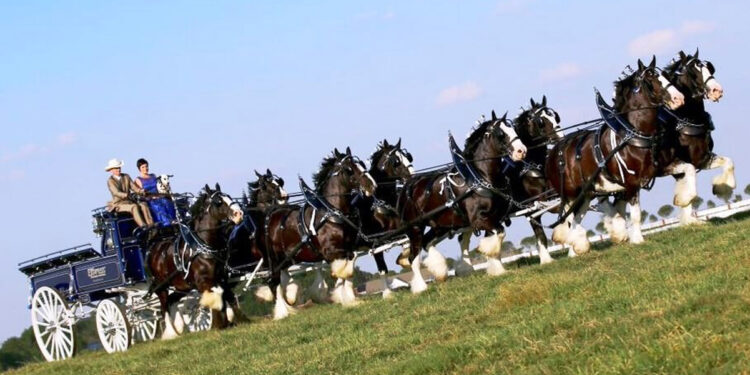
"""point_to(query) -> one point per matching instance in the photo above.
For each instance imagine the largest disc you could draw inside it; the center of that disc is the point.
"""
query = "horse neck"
(640, 112)
(694, 108)
(386, 189)
(536, 148)
(337, 195)
(487, 160)
(208, 230)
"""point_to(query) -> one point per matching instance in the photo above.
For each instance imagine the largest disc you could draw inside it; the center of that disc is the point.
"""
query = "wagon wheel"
(112, 325)
(196, 317)
(53, 324)
(143, 325)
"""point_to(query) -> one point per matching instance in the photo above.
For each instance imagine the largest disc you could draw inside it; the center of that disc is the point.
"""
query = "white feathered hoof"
(403, 260)
(560, 233)
(545, 258)
(292, 293)
(436, 264)
(281, 309)
(687, 218)
(619, 232)
(580, 242)
(387, 293)
(263, 294)
(417, 284)
(571, 252)
(684, 192)
(490, 246)
(213, 299)
(636, 238)
(342, 269)
(349, 297)
(495, 267)
(169, 331)
(463, 267)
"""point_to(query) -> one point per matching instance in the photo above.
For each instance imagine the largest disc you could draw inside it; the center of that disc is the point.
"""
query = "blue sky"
(209, 91)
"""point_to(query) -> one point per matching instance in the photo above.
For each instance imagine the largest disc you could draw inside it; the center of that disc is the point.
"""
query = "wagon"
(111, 284)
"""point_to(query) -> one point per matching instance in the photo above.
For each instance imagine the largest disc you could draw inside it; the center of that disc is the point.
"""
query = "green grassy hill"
(678, 304)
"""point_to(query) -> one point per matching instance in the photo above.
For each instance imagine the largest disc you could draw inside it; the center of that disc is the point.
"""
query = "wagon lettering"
(97, 272)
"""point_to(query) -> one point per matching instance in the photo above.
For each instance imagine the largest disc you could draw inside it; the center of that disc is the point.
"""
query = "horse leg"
(463, 266)
(166, 310)
(614, 219)
(636, 236)
(418, 285)
(318, 291)
(723, 184)
(383, 271)
(281, 309)
(435, 261)
(541, 242)
(685, 190)
(343, 270)
(577, 237)
(290, 287)
(490, 246)
(562, 230)
(232, 307)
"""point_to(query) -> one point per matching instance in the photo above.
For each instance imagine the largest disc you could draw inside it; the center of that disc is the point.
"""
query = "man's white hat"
(113, 163)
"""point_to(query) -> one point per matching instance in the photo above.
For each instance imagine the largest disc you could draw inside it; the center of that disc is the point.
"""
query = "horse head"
(343, 173)
(215, 206)
(538, 124)
(391, 161)
(494, 138)
(646, 87)
(695, 76)
(268, 189)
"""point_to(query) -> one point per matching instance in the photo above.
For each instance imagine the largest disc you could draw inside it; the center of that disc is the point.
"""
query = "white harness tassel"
(620, 162)
(312, 222)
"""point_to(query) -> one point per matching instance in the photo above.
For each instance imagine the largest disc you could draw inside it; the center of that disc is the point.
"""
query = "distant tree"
(737, 198)
(697, 202)
(747, 189)
(710, 204)
(590, 233)
(644, 215)
(652, 218)
(529, 241)
(600, 227)
(665, 211)
(508, 245)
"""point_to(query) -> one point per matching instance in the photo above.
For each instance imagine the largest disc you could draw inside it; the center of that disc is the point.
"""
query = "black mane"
(254, 189)
(622, 88)
(382, 149)
(200, 204)
(326, 167)
(473, 140)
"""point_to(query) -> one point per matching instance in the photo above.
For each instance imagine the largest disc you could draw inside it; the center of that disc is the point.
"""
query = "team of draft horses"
(657, 127)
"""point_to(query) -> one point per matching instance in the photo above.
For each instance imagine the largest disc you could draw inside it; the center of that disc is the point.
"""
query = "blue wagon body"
(83, 274)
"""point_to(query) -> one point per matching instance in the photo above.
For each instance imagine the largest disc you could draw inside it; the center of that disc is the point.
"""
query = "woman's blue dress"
(162, 209)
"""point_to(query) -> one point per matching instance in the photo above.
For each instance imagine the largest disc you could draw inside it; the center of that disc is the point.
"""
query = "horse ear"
(348, 151)
(640, 65)
(505, 115)
(218, 188)
(256, 173)
(385, 143)
(532, 103)
(494, 116)
(336, 152)
(268, 172)
(682, 55)
(696, 52)
(652, 64)
(544, 100)
(207, 189)
(398, 144)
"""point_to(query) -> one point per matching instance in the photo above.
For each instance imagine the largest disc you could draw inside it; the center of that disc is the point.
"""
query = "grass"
(678, 304)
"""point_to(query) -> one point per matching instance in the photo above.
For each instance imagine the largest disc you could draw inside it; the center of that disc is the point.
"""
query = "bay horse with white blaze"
(195, 259)
(321, 229)
(468, 198)
(624, 147)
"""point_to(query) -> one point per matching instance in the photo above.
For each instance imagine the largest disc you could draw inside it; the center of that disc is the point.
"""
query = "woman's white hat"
(113, 163)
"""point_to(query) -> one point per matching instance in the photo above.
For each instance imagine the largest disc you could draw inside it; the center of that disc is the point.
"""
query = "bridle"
(684, 69)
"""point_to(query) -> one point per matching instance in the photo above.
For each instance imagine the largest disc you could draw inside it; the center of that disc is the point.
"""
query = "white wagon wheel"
(143, 325)
(53, 324)
(196, 317)
(113, 326)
